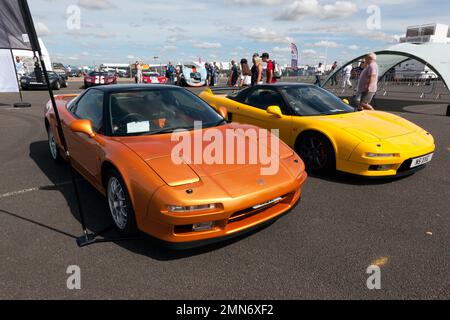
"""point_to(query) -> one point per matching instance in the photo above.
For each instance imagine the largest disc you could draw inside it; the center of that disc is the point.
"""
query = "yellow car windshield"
(313, 101)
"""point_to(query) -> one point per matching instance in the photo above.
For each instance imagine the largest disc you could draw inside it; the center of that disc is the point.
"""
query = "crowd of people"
(242, 75)
(246, 76)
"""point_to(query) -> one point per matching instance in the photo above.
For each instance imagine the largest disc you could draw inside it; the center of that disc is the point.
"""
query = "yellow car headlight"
(382, 155)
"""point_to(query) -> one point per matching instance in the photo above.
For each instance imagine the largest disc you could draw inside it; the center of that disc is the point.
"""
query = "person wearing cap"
(270, 71)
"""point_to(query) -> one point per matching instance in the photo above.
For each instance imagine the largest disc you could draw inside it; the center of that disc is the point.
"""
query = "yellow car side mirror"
(346, 101)
(275, 110)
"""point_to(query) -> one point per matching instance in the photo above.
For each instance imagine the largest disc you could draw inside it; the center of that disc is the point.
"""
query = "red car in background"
(98, 78)
(153, 77)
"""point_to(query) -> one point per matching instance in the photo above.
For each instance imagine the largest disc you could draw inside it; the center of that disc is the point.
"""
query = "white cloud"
(312, 8)
(281, 49)
(176, 29)
(263, 35)
(42, 29)
(207, 45)
(309, 52)
(85, 34)
(352, 31)
(169, 48)
(325, 44)
(268, 2)
(353, 47)
(96, 4)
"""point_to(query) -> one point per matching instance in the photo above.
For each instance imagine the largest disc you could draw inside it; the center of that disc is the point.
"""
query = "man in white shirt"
(347, 76)
(320, 70)
(20, 68)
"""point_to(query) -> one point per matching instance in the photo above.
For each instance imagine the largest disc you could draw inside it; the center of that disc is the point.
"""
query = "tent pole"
(86, 238)
(22, 104)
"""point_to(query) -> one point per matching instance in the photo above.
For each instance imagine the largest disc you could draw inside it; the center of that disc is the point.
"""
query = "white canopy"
(435, 55)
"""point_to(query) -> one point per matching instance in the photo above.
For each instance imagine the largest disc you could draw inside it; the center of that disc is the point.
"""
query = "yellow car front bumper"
(404, 148)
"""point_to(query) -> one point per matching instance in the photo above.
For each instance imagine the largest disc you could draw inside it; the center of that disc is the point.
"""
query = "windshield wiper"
(170, 130)
(222, 121)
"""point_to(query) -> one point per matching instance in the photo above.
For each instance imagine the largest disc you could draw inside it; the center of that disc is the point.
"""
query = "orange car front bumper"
(237, 216)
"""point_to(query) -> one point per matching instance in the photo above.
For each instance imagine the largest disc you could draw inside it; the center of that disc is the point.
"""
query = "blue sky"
(121, 31)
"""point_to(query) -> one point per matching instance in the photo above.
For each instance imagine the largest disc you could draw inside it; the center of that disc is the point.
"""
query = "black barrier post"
(448, 111)
(86, 238)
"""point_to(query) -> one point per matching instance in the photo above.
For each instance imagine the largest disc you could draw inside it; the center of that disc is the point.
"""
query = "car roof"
(118, 88)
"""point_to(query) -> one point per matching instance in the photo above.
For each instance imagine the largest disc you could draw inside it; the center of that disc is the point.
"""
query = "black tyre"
(317, 153)
(53, 146)
(56, 85)
(120, 206)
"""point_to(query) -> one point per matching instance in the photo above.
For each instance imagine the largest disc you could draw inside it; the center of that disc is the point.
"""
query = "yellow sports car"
(329, 134)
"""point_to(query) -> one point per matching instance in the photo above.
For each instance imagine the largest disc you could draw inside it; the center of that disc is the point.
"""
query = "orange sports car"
(141, 147)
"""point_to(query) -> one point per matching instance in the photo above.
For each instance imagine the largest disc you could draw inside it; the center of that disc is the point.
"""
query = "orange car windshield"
(162, 110)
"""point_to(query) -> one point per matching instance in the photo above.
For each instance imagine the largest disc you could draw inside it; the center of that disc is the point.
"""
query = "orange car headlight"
(185, 209)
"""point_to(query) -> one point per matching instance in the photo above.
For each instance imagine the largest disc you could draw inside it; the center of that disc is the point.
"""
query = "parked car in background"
(153, 77)
(29, 82)
(99, 78)
(74, 73)
(60, 70)
(192, 75)
(123, 73)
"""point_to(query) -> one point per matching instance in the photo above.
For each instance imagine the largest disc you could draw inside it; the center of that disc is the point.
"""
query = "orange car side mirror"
(223, 112)
(83, 126)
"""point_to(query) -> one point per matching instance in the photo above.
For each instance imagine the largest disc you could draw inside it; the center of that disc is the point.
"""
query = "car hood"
(157, 151)
(372, 125)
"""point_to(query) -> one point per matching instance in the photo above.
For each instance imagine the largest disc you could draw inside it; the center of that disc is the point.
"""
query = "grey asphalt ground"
(321, 250)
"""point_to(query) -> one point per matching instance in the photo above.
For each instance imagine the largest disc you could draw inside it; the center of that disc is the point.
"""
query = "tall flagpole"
(86, 238)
